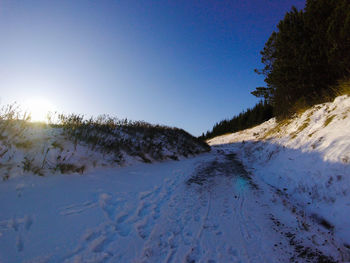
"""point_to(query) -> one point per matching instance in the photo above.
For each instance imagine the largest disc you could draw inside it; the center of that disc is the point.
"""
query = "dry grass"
(311, 134)
(136, 138)
(277, 129)
(328, 120)
(301, 128)
(38, 144)
(25, 144)
(67, 168)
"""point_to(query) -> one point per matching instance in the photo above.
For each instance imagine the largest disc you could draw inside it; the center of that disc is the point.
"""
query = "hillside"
(307, 158)
(77, 146)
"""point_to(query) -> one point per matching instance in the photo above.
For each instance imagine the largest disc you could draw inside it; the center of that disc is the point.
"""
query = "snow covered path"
(204, 209)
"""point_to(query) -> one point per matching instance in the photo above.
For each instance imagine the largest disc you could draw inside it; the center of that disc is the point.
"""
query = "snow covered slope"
(307, 157)
(30, 148)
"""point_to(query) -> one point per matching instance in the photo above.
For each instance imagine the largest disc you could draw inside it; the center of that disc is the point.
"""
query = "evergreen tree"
(261, 112)
(306, 56)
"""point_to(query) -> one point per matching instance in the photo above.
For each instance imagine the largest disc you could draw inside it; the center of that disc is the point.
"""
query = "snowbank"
(308, 157)
(29, 148)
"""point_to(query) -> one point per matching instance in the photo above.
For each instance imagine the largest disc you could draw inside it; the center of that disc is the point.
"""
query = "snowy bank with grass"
(75, 145)
(307, 157)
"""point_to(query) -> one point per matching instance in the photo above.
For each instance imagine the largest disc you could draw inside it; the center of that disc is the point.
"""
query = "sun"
(38, 108)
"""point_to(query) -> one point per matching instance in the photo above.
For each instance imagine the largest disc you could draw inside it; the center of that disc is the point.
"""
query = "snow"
(41, 149)
(308, 155)
(268, 194)
(202, 209)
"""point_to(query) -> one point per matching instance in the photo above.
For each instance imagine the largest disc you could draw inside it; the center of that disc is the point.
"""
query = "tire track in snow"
(250, 233)
(227, 179)
(195, 251)
(215, 218)
(181, 236)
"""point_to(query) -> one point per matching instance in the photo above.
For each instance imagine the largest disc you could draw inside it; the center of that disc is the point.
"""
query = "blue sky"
(181, 63)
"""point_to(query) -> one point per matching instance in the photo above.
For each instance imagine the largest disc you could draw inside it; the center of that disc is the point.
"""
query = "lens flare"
(38, 108)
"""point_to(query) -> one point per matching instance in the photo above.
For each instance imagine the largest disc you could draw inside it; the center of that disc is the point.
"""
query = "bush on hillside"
(136, 138)
(73, 144)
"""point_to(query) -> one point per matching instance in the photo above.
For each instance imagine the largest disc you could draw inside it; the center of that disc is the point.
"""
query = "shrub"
(66, 168)
(136, 138)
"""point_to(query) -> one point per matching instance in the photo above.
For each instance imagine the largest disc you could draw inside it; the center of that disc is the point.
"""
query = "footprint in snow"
(19, 243)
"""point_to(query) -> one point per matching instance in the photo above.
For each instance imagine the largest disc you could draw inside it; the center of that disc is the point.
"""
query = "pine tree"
(306, 56)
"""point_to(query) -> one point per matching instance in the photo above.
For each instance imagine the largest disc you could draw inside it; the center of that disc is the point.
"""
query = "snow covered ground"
(274, 193)
(308, 157)
(203, 209)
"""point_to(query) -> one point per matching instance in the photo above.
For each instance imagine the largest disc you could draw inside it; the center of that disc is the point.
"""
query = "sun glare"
(38, 109)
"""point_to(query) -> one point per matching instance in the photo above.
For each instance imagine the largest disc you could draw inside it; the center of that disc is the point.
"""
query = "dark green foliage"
(307, 55)
(258, 114)
(263, 92)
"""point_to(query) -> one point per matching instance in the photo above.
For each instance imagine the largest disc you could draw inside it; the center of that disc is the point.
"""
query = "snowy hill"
(306, 157)
(32, 148)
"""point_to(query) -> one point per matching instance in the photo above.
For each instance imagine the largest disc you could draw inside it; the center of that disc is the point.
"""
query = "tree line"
(306, 57)
(306, 62)
(261, 112)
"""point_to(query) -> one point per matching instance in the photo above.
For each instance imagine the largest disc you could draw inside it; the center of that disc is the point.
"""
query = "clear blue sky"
(181, 63)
